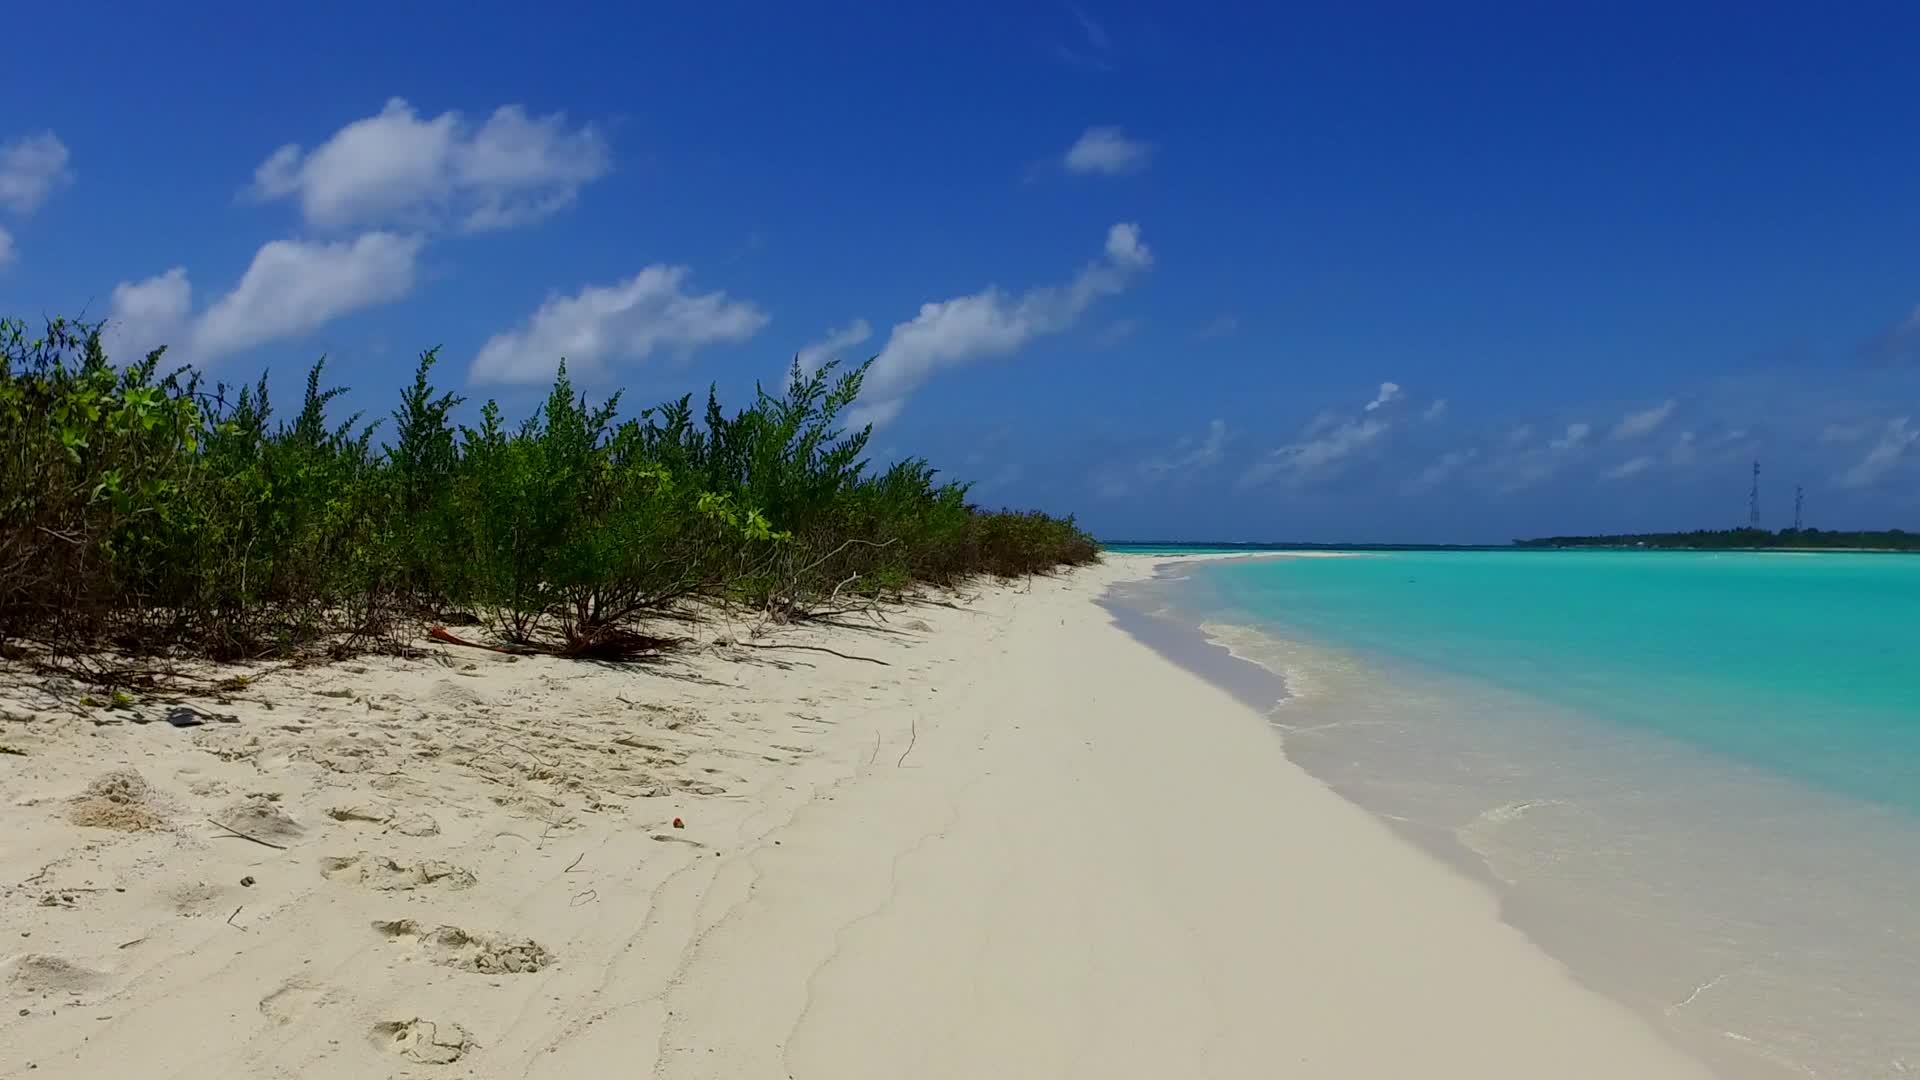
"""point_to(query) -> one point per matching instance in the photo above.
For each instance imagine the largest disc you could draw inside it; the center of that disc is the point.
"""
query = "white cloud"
(290, 288)
(950, 333)
(626, 320)
(1107, 151)
(1888, 452)
(1436, 410)
(1326, 442)
(1524, 466)
(1124, 249)
(1297, 462)
(1442, 467)
(1188, 455)
(394, 167)
(1714, 448)
(1645, 422)
(293, 287)
(31, 168)
(1631, 467)
(1388, 392)
(1575, 436)
(811, 356)
(145, 315)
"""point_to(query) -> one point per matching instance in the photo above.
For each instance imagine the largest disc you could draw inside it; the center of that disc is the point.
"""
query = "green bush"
(143, 512)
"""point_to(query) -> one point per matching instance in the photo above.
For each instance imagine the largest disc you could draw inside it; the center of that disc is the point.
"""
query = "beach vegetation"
(146, 512)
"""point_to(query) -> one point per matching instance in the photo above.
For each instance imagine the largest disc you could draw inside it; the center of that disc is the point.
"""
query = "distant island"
(1783, 540)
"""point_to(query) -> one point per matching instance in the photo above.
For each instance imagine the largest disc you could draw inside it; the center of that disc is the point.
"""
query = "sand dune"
(1028, 846)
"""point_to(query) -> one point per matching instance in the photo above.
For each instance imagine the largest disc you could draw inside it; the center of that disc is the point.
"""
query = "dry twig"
(244, 836)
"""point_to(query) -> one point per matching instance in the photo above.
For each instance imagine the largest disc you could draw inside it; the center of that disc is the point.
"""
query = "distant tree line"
(1701, 539)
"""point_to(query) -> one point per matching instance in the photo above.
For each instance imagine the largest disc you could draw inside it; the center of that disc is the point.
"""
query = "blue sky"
(1362, 272)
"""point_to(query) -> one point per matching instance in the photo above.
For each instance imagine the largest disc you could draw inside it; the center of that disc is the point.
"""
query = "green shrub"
(143, 512)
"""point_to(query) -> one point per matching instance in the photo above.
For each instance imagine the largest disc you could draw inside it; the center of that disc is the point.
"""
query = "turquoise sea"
(1694, 777)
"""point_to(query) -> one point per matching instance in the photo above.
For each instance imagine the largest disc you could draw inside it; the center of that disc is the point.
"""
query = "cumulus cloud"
(32, 168)
(625, 321)
(1436, 410)
(951, 333)
(1107, 151)
(814, 354)
(1887, 452)
(397, 168)
(291, 288)
(145, 315)
(1637, 424)
(1630, 467)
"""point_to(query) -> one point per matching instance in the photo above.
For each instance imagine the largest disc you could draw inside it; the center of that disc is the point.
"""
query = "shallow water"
(1695, 778)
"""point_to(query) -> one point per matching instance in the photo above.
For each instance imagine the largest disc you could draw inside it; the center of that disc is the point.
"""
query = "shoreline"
(1032, 845)
(1704, 894)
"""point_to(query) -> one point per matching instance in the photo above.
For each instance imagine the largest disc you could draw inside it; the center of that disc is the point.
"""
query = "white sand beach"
(1027, 846)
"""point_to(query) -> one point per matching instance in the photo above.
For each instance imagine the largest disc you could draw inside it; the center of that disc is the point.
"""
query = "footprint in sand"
(453, 947)
(387, 875)
(429, 1042)
(45, 973)
(294, 999)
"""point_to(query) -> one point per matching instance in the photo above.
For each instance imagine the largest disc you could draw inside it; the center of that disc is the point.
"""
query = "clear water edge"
(1754, 914)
